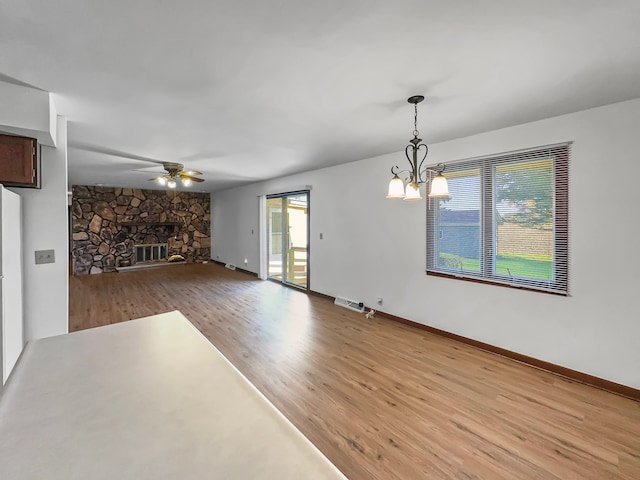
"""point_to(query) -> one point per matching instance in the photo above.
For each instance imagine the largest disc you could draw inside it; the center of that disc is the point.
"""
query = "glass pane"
(459, 227)
(139, 254)
(296, 254)
(147, 253)
(274, 238)
(523, 219)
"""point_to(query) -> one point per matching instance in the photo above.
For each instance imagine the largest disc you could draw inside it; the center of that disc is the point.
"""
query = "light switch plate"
(45, 256)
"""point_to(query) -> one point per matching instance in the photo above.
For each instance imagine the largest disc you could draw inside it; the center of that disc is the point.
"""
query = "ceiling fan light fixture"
(175, 173)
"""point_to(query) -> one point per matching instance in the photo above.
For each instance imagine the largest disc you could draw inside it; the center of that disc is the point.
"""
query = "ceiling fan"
(175, 173)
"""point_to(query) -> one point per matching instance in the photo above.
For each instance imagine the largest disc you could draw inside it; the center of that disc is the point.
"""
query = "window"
(506, 221)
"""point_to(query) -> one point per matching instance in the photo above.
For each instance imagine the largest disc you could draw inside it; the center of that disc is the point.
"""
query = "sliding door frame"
(285, 222)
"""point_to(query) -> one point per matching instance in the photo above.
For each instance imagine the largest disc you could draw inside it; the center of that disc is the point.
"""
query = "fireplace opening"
(150, 252)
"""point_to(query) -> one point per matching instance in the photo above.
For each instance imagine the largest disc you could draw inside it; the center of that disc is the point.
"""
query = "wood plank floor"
(383, 400)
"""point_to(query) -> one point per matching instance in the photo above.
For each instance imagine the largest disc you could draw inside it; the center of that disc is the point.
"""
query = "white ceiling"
(249, 90)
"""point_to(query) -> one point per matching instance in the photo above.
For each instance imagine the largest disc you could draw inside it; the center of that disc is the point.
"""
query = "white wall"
(374, 247)
(28, 112)
(45, 227)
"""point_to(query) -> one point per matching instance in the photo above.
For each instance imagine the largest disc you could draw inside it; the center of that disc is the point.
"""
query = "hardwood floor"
(380, 399)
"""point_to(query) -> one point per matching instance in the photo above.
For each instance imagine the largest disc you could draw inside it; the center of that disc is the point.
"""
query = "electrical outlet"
(45, 256)
(379, 301)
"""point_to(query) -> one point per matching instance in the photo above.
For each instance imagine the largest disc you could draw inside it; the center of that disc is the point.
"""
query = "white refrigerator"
(11, 317)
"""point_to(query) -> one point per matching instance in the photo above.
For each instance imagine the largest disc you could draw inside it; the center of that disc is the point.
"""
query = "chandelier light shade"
(412, 192)
(396, 188)
(416, 153)
(439, 186)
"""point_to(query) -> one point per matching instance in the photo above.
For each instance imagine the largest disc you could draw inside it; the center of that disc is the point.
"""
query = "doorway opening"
(287, 222)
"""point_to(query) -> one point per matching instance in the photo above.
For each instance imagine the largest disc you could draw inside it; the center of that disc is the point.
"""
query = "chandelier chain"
(415, 120)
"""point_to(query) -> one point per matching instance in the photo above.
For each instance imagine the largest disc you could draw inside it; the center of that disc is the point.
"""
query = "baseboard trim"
(253, 274)
(565, 372)
(321, 295)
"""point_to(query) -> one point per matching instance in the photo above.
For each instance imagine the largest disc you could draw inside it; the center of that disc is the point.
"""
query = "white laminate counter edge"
(144, 399)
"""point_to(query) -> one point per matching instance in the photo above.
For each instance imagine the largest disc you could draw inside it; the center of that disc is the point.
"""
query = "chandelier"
(417, 175)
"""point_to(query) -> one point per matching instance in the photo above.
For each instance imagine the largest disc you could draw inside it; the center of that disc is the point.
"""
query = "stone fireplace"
(108, 223)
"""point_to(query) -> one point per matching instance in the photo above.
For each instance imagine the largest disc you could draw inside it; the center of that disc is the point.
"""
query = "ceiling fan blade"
(114, 153)
(193, 179)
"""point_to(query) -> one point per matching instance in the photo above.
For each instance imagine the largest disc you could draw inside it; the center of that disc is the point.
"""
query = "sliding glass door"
(288, 238)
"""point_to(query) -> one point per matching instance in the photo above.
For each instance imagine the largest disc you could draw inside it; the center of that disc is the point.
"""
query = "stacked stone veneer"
(107, 222)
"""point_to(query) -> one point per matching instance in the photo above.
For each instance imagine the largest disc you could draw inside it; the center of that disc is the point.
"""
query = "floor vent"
(350, 304)
(230, 266)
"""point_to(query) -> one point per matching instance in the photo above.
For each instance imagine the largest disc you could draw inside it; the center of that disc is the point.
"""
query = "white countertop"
(144, 399)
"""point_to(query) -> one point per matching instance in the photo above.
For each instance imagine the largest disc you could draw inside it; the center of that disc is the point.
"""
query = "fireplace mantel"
(150, 224)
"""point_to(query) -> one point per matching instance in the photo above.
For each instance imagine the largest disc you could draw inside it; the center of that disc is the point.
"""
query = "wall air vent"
(230, 266)
(350, 304)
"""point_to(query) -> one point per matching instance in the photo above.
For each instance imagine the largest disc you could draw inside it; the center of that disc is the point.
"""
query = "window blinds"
(506, 220)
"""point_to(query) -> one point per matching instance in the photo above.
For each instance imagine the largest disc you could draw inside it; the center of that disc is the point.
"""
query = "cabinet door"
(18, 161)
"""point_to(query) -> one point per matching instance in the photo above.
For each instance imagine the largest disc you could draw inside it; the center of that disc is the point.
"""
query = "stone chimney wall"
(107, 222)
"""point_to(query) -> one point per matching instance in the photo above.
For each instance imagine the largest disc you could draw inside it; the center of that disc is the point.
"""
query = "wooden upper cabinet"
(19, 162)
